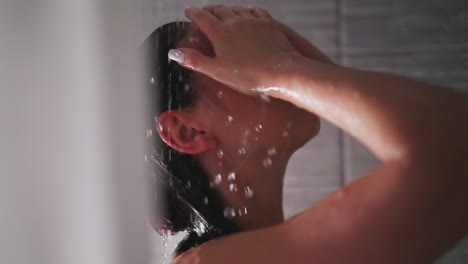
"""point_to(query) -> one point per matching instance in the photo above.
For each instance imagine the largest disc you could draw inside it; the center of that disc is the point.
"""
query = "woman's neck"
(252, 187)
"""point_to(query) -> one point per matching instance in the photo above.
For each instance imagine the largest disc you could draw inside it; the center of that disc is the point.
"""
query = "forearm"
(392, 115)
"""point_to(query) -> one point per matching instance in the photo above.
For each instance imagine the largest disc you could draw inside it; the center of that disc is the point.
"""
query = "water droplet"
(205, 200)
(285, 133)
(271, 151)
(149, 133)
(239, 212)
(220, 153)
(258, 127)
(218, 179)
(231, 176)
(200, 228)
(248, 191)
(267, 162)
(219, 94)
(194, 39)
(245, 210)
(242, 151)
(189, 184)
(186, 87)
(164, 244)
(229, 212)
(233, 187)
(233, 212)
(289, 124)
(146, 158)
(152, 80)
(265, 98)
(229, 120)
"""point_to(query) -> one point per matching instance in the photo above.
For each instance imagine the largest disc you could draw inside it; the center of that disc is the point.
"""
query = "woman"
(409, 210)
(218, 194)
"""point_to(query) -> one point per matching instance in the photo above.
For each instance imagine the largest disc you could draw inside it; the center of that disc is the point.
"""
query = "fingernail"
(176, 55)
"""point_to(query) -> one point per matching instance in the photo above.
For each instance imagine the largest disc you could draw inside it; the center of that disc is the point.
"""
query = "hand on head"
(250, 47)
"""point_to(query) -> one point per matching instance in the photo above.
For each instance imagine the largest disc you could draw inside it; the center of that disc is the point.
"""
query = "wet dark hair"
(182, 189)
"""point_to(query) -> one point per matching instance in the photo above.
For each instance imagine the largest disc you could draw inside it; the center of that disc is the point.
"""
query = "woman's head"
(195, 116)
(229, 120)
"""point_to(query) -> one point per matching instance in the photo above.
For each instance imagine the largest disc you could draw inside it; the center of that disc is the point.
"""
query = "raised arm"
(395, 214)
(394, 116)
(409, 210)
(386, 113)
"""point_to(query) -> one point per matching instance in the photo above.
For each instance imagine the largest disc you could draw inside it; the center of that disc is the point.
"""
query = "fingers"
(252, 12)
(223, 13)
(194, 60)
(210, 18)
(261, 13)
(302, 45)
(243, 12)
(206, 21)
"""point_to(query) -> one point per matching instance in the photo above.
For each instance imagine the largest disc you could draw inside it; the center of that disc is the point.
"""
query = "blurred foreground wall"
(71, 141)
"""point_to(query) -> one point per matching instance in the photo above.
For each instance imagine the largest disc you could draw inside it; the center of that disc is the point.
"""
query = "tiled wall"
(426, 39)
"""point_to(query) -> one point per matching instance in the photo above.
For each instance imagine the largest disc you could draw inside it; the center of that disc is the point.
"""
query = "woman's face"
(243, 123)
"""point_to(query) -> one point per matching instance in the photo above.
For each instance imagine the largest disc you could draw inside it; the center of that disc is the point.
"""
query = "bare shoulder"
(269, 245)
(189, 257)
(377, 219)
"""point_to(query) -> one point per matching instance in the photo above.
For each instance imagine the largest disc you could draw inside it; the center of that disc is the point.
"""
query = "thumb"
(193, 59)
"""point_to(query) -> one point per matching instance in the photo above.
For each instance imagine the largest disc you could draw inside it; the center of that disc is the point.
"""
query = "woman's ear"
(180, 133)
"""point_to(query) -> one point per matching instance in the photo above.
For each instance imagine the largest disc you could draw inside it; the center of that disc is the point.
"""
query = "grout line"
(343, 163)
(339, 52)
(339, 30)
